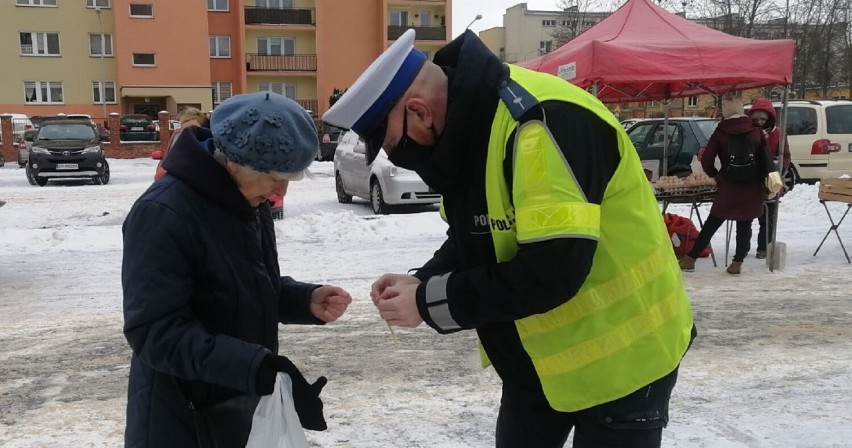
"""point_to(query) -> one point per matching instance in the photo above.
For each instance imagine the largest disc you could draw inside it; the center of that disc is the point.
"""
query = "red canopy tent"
(643, 52)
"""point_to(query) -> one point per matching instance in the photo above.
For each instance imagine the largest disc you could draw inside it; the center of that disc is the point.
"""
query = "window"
(217, 5)
(545, 46)
(220, 46)
(838, 119)
(43, 92)
(144, 59)
(276, 46)
(399, 18)
(424, 18)
(221, 91)
(275, 4)
(100, 44)
(548, 22)
(141, 10)
(693, 101)
(105, 90)
(35, 2)
(284, 88)
(98, 3)
(40, 44)
(800, 120)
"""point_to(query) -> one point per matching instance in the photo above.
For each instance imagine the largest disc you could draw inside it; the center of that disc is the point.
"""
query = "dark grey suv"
(687, 137)
(67, 149)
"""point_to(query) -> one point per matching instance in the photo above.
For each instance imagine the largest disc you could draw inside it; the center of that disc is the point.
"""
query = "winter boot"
(687, 263)
(735, 268)
(761, 254)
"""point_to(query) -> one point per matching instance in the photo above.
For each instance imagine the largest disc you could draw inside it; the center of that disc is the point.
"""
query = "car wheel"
(377, 199)
(342, 197)
(2, 160)
(30, 176)
(791, 178)
(104, 177)
(278, 215)
(40, 181)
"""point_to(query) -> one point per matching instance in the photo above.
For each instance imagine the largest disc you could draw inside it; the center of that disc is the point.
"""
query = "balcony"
(281, 63)
(310, 105)
(275, 16)
(423, 32)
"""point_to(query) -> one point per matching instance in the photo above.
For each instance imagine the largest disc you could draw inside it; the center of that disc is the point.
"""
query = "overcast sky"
(492, 12)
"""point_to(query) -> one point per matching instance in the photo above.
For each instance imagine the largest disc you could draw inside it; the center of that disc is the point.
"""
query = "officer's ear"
(420, 111)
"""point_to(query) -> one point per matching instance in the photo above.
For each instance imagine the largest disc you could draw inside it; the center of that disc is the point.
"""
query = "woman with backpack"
(742, 153)
(762, 114)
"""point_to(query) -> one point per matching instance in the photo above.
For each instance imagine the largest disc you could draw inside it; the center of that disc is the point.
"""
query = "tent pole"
(781, 142)
(666, 138)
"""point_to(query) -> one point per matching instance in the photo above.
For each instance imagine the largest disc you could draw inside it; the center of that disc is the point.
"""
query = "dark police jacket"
(202, 295)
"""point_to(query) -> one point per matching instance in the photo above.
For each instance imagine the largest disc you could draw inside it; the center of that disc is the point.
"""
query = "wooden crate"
(835, 189)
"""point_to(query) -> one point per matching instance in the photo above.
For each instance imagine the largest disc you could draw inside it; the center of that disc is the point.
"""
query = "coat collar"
(191, 161)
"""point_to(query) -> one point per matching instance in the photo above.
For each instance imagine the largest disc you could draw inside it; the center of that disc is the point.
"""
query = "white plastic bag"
(275, 423)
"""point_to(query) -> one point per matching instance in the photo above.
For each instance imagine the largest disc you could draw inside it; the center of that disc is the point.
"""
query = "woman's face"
(257, 187)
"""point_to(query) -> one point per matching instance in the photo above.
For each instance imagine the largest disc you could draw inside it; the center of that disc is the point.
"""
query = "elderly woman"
(203, 295)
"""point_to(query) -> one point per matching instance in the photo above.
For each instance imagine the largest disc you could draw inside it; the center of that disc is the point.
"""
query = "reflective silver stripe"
(436, 302)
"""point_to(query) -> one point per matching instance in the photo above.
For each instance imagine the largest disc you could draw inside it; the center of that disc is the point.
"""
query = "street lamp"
(478, 16)
(102, 86)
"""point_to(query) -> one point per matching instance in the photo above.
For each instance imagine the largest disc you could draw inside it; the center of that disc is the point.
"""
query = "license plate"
(136, 129)
(67, 166)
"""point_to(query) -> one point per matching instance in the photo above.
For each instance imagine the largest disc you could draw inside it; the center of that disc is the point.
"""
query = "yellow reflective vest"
(630, 323)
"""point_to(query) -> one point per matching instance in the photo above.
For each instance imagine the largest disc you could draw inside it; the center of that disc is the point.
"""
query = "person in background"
(556, 253)
(736, 201)
(762, 114)
(203, 294)
(191, 116)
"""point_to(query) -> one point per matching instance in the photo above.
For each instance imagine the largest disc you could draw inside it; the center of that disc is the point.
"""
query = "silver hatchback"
(384, 184)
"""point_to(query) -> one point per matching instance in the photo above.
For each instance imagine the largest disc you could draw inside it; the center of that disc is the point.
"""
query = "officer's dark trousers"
(634, 421)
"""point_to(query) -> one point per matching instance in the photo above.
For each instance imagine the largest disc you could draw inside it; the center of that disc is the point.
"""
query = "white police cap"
(365, 106)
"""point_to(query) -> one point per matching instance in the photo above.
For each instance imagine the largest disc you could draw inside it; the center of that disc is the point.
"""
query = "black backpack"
(741, 160)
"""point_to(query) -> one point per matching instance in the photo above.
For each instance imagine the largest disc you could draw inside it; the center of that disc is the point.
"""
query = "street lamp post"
(102, 86)
(478, 16)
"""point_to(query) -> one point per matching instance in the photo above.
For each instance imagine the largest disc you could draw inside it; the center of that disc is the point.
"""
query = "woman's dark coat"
(202, 295)
(735, 201)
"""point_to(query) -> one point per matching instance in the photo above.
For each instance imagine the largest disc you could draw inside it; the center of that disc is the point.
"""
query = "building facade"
(97, 57)
(527, 34)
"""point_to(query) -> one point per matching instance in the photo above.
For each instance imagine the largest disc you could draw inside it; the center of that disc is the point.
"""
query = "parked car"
(25, 145)
(687, 138)
(630, 122)
(329, 137)
(138, 128)
(384, 184)
(820, 136)
(67, 149)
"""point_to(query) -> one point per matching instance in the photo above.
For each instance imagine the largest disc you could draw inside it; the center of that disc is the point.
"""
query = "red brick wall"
(115, 149)
(8, 147)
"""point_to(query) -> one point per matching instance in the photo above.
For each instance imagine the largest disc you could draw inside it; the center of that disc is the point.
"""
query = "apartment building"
(142, 56)
(527, 34)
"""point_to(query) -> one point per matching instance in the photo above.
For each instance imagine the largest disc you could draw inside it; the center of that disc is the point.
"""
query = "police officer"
(556, 252)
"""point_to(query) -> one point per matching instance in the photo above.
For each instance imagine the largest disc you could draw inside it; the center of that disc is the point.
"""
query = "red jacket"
(773, 133)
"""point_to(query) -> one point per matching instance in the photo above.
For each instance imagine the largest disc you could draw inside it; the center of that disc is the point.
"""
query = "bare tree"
(578, 15)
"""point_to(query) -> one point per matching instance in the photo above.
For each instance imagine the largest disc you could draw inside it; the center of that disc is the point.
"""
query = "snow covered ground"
(772, 365)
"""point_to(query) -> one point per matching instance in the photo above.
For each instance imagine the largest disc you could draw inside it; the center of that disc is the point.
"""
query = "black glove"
(305, 396)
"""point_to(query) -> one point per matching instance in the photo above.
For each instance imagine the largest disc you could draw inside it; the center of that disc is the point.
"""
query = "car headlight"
(91, 149)
(40, 150)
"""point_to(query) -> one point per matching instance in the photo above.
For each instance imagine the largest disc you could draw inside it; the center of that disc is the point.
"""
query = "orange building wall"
(229, 24)
(342, 56)
(178, 35)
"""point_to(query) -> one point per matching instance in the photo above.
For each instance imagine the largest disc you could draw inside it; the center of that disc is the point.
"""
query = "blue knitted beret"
(266, 131)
